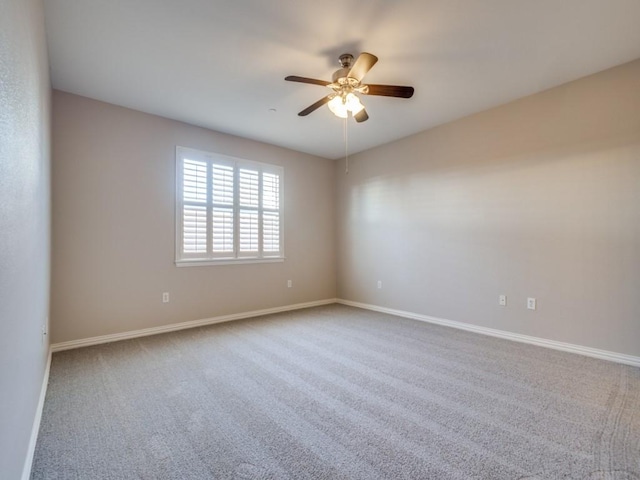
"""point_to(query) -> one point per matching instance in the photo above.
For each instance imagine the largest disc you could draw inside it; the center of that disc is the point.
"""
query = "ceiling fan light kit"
(341, 105)
(346, 83)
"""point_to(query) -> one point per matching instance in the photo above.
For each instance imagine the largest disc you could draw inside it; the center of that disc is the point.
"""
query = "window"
(228, 210)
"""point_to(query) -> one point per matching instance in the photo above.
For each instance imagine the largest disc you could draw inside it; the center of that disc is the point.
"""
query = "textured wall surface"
(24, 224)
(113, 225)
(537, 198)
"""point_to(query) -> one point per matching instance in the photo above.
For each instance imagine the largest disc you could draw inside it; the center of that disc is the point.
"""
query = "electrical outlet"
(44, 330)
(502, 300)
(289, 284)
(165, 297)
(531, 303)
(379, 283)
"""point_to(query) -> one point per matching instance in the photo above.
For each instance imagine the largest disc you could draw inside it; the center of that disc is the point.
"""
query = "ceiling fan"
(346, 82)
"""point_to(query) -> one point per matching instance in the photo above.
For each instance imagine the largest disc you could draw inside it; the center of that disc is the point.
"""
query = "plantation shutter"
(227, 209)
(194, 212)
(222, 221)
(271, 213)
(249, 201)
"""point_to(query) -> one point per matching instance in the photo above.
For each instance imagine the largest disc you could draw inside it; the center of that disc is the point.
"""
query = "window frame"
(183, 259)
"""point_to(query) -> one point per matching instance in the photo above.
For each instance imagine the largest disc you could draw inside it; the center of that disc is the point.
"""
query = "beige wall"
(25, 95)
(113, 225)
(537, 198)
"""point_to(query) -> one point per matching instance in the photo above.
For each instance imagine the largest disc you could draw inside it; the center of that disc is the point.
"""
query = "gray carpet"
(336, 393)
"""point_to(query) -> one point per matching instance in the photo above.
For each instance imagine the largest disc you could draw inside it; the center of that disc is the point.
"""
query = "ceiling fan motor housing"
(346, 60)
(340, 75)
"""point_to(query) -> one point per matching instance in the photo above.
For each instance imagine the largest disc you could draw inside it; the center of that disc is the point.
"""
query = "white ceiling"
(221, 64)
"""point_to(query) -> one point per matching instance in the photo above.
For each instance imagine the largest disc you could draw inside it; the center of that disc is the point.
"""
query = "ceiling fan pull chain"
(346, 146)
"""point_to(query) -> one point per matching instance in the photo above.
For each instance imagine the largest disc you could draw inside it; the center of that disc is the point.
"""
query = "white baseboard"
(28, 462)
(541, 342)
(85, 342)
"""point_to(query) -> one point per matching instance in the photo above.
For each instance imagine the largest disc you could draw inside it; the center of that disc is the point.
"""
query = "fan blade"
(361, 116)
(315, 106)
(389, 91)
(293, 78)
(363, 64)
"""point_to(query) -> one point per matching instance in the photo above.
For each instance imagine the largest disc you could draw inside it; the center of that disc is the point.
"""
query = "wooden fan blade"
(315, 106)
(361, 116)
(390, 91)
(363, 64)
(313, 81)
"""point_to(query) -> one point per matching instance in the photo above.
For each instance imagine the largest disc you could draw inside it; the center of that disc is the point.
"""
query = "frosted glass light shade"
(338, 107)
(353, 104)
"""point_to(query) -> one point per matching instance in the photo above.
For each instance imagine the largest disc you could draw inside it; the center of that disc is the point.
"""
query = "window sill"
(226, 261)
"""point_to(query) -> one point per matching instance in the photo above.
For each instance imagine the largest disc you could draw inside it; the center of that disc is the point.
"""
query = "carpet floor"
(336, 392)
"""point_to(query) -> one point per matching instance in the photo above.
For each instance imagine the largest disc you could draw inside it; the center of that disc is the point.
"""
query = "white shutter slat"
(248, 184)
(222, 230)
(248, 231)
(194, 181)
(194, 231)
(222, 193)
(271, 191)
(271, 232)
(222, 184)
